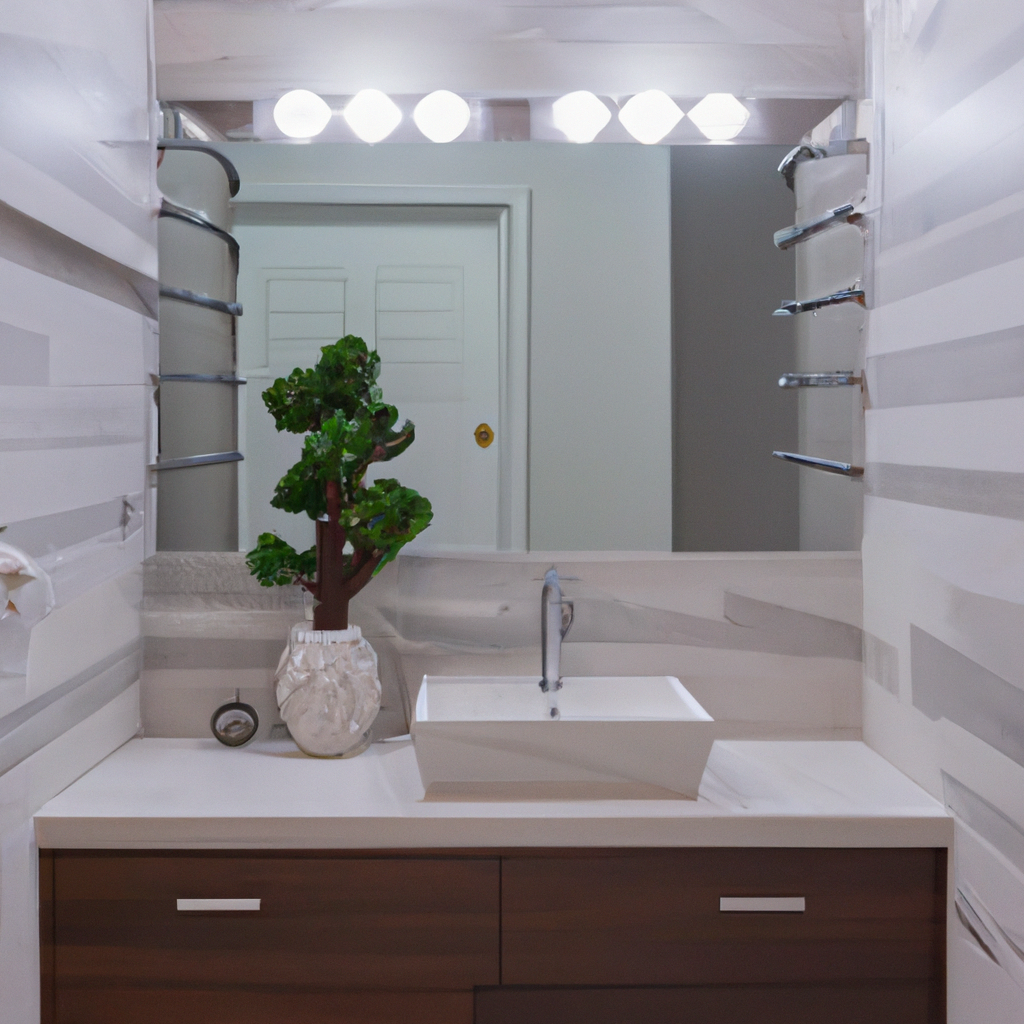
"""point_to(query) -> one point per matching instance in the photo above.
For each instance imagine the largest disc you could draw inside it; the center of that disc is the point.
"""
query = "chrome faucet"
(555, 619)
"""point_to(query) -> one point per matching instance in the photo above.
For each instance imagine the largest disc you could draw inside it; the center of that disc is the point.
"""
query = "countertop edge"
(135, 833)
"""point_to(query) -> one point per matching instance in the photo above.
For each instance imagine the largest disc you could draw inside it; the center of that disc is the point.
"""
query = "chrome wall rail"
(836, 379)
(790, 307)
(183, 295)
(825, 465)
(234, 183)
(204, 378)
(198, 460)
(799, 232)
(169, 209)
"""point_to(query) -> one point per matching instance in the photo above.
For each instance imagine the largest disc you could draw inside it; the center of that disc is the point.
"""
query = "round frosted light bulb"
(650, 116)
(580, 116)
(301, 114)
(720, 116)
(372, 115)
(442, 116)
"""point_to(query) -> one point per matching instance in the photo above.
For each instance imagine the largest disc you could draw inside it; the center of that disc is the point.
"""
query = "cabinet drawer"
(879, 1003)
(654, 917)
(323, 922)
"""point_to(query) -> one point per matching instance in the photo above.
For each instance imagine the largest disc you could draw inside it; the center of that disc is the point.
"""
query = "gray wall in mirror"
(728, 352)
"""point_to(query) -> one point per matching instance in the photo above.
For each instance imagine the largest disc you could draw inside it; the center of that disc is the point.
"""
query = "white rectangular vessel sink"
(618, 736)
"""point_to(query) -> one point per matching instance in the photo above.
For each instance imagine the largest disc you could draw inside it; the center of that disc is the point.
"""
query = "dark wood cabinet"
(653, 918)
(529, 936)
(335, 938)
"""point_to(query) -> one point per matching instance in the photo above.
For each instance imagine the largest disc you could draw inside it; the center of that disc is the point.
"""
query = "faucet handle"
(568, 612)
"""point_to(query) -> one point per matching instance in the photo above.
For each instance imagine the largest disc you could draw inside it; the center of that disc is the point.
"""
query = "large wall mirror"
(606, 310)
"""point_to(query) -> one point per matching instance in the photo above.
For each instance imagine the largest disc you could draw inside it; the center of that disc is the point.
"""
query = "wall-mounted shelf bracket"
(836, 379)
(825, 465)
(790, 307)
(845, 214)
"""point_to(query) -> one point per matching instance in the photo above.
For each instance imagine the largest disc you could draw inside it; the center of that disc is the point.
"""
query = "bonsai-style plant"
(359, 527)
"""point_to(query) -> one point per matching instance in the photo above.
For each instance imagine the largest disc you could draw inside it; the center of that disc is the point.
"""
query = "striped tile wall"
(944, 510)
(77, 345)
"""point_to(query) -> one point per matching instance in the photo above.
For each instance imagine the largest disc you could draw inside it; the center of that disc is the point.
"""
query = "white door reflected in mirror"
(423, 291)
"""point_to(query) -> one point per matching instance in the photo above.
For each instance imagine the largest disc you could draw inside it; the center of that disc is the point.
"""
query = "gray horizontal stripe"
(993, 175)
(195, 653)
(962, 370)
(982, 491)
(987, 820)
(42, 720)
(948, 684)
(24, 356)
(987, 245)
(41, 444)
(34, 245)
(751, 626)
(795, 632)
(882, 664)
(42, 534)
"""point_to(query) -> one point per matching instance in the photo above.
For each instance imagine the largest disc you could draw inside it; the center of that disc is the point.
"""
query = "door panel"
(425, 294)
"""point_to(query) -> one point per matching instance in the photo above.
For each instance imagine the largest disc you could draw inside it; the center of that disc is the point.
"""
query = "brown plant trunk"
(331, 612)
(333, 589)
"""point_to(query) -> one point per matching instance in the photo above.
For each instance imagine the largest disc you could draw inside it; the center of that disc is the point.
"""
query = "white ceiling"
(252, 49)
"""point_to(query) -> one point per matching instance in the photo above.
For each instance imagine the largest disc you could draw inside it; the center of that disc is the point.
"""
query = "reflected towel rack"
(184, 295)
(198, 460)
(799, 232)
(197, 146)
(175, 212)
(204, 378)
(825, 465)
(835, 379)
(790, 307)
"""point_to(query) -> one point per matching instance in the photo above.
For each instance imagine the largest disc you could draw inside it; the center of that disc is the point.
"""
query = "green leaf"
(385, 518)
(275, 562)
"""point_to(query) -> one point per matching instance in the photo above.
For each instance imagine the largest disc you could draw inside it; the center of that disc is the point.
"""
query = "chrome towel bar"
(835, 379)
(800, 232)
(790, 307)
(204, 378)
(184, 295)
(825, 465)
(176, 212)
(198, 460)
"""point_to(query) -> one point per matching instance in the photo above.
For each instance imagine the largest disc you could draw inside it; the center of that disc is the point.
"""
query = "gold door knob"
(484, 435)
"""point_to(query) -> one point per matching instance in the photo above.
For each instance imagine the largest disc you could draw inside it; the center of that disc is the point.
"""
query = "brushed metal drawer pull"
(762, 904)
(218, 904)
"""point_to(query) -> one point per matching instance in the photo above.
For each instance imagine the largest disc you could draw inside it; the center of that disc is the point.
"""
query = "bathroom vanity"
(182, 881)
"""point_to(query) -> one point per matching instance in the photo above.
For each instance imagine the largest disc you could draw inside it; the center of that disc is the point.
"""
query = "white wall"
(77, 340)
(507, 48)
(944, 514)
(600, 472)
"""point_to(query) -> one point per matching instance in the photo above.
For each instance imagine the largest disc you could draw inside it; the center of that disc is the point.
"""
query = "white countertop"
(197, 794)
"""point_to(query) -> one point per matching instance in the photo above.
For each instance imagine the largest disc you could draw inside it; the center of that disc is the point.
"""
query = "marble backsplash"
(769, 643)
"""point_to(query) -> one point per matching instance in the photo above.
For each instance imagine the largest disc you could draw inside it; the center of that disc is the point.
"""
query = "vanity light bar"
(762, 904)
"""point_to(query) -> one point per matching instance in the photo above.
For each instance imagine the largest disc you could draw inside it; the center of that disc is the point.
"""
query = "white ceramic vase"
(328, 690)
